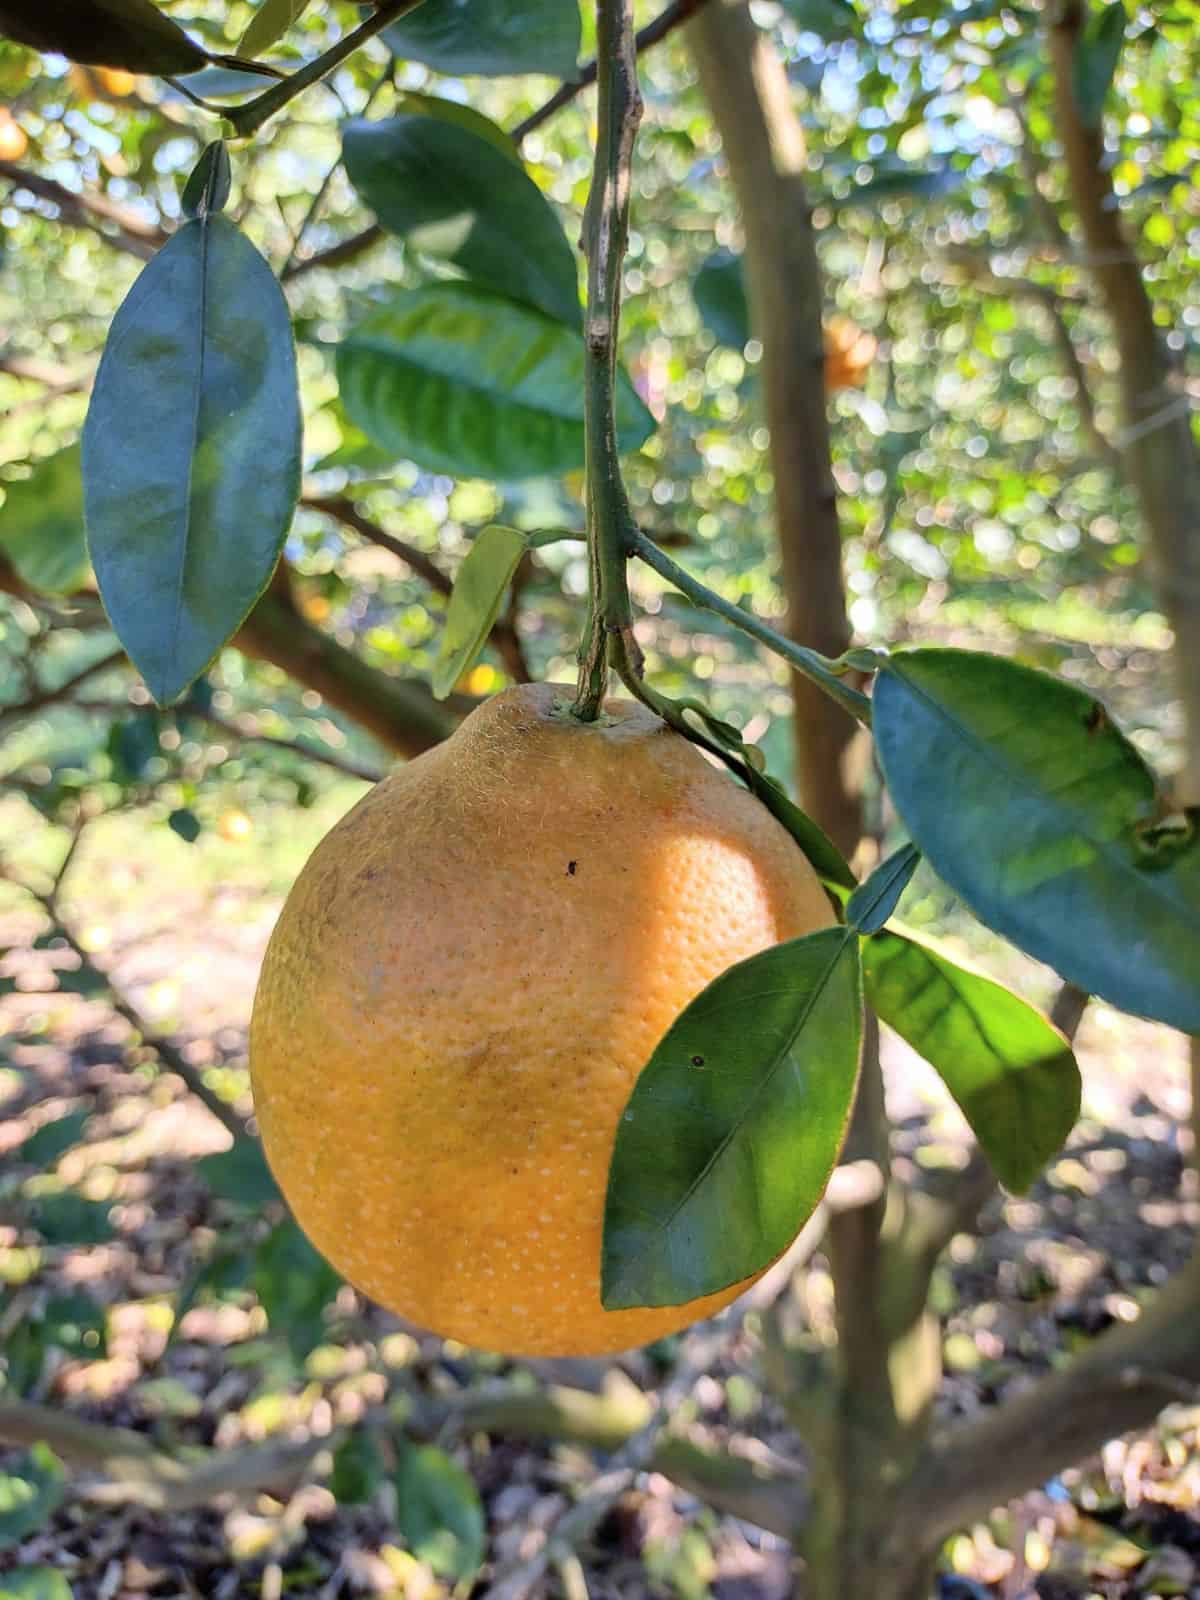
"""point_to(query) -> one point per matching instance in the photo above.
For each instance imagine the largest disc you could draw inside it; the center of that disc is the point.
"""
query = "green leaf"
(133, 34)
(41, 524)
(830, 20)
(30, 1493)
(191, 451)
(411, 103)
(475, 602)
(240, 1175)
(1097, 53)
(461, 380)
(69, 1219)
(185, 823)
(1041, 815)
(269, 24)
(207, 190)
(34, 1583)
(45, 1147)
(358, 1468)
(75, 1323)
(719, 290)
(439, 1513)
(294, 1285)
(490, 38)
(827, 860)
(1010, 1070)
(448, 191)
(873, 902)
(733, 1127)
(900, 182)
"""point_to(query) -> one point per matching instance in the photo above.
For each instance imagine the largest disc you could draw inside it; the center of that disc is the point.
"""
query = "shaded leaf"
(461, 380)
(358, 1468)
(191, 451)
(1032, 806)
(207, 189)
(475, 602)
(733, 1127)
(1097, 53)
(69, 1219)
(240, 1175)
(50, 1142)
(450, 192)
(827, 860)
(439, 1512)
(41, 524)
(30, 1493)
(76, 1324)
(830, 20)
(269, 24)
(133, 34)
(1009, 1069)
(719, 290)
(914, 183)
(874, 901)
(185, 823)
(491, 38)
(294, 1284)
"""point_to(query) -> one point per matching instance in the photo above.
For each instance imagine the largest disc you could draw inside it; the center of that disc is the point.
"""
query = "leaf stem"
(610, 524)
(247, 119)
(811, 663)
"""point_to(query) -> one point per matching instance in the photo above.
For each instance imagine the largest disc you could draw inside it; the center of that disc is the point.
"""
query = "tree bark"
(1157, 444)
(747, 89)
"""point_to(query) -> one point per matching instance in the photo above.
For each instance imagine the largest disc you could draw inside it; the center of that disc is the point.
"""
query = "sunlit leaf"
(41, 524)
(733, 1127)
(1034, 808)
(31, 1490)
(269, 24)
(475, 602)
(34, 1583)
(439, 1512)
(1010, 1070)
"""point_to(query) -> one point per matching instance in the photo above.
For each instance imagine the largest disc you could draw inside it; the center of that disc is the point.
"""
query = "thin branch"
(809, 663)
(326, 758)
(90, 210)
(670, 18)
(64, 691)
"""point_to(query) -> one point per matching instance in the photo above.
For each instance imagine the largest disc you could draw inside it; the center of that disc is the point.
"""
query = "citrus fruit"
(464, 984)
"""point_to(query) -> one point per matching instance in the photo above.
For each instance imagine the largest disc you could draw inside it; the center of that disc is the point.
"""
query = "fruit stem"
(610, 524)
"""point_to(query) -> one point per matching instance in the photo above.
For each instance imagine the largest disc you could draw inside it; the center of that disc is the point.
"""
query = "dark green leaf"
(294, 1285)
(830, 20)
(491, 38)
(1011, 1072)
(1040, 814)
(1097, 52)
(191, 451)
(41, 524)
(76, 1324)
(461, 380)
(439, 1513)
(34, 1583)
(466, 117)
(69, 1219)
(269, 24)
(133, 744)
(733, 1127)
(30, 1493)
(240, 1175)
(358, 1468)
(185, 823)
(826, 858)
(52, 1140)
(448, 191)
(133, 34)
(873, 902)
(475, 602)
(207, 190)
(719, 290)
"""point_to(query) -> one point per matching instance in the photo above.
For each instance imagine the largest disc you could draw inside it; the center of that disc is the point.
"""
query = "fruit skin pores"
(465, 982)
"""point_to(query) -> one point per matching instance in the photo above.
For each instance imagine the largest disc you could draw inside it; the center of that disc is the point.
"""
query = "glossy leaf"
(269, 24)
(874, 901)
(31, 1490)
(1097, 53)
(41, 525)
(439, 1512)
(1041, 815)
(490, 38)
(733, 1127)
(191, 451)
(719, 290)
(133, 34)
(1010, 1070)
(475, 602)
(34, 1583)
(461, 380)
(450, 192)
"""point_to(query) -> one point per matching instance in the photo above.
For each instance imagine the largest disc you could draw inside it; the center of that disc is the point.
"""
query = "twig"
(91, 210)
(49, 697)
(237, 730)
(810, 663)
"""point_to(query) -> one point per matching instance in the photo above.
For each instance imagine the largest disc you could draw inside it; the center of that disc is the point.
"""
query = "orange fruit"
(234, 826)
(13, 140)
(466, 980)
(849, 352)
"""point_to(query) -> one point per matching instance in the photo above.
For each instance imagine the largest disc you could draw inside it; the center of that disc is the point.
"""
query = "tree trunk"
(747, 89)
